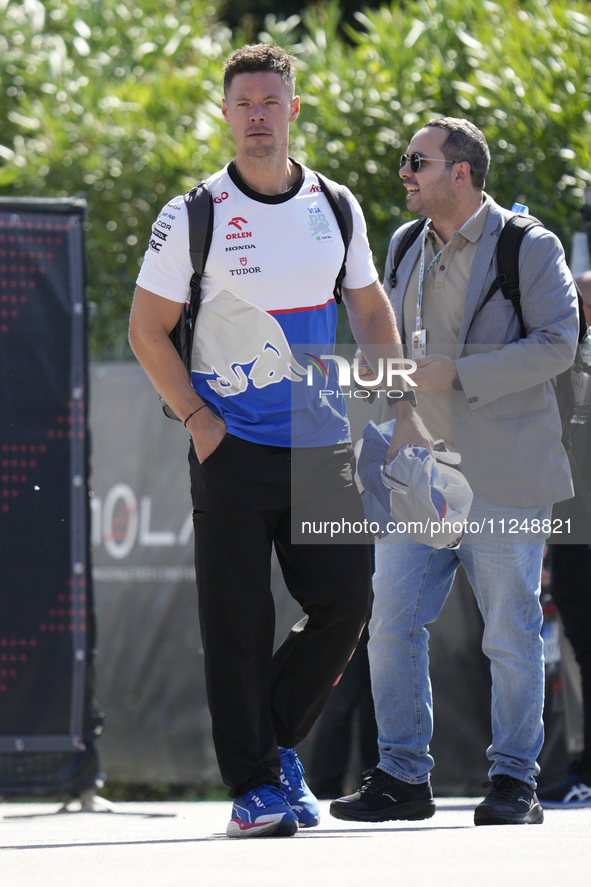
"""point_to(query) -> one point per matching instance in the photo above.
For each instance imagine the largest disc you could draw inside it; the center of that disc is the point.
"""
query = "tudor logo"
(243, 260)
(236, 222)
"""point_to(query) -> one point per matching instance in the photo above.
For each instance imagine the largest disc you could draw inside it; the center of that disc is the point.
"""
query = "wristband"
(193, 413)
(409, 396)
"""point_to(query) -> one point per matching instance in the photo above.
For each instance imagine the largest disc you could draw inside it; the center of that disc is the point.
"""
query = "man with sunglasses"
(487, 392)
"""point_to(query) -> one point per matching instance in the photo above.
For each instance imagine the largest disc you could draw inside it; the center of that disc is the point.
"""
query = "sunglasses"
(416, 161)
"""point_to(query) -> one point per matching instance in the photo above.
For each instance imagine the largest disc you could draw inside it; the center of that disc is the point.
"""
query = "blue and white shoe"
(574, 791)
(300, 798)
(262, 812)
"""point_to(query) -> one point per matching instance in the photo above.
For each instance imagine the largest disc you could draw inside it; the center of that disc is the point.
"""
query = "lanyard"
(422, 275)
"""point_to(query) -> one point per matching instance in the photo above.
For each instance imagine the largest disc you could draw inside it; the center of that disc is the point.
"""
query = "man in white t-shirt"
(267, 289)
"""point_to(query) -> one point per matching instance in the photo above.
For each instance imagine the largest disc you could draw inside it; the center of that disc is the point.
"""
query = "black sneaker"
(509, 802)
(382, 797)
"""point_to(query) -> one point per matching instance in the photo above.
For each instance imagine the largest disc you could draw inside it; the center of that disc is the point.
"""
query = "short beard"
(260, 151)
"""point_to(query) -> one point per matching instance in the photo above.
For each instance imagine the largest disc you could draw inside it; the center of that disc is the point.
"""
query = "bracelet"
(202, 407)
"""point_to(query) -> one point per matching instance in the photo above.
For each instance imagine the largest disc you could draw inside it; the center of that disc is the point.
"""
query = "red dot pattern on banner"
(17, 465)
(64, 617)
(18, 461)
(24, 247)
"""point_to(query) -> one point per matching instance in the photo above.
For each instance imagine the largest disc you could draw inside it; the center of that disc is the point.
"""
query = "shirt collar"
(471, 229)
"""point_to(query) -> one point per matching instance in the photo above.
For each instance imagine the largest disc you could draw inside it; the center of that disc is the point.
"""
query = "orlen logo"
(315, 189)
(238, 222)
(223, 196)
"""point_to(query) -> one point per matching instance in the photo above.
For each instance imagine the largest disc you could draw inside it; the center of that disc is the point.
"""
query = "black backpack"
(507, 281)
(199, 203)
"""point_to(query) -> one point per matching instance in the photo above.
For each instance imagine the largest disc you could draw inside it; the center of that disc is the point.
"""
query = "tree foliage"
(246, 17)
(118, 101)
(113, 101)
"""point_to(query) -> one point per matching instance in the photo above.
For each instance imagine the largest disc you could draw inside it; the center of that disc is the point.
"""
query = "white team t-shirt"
(267, 307)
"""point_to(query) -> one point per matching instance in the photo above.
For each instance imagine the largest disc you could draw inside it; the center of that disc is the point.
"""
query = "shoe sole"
(282, 829)
(407, 812)
(311, 823)
(535, 816)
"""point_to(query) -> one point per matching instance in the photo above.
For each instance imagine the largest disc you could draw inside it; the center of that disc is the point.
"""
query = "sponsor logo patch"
(254, 269)
(320, 227)
(238, 222)
(261, 358)
(238, 235)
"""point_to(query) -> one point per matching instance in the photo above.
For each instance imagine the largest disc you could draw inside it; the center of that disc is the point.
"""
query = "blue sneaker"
(300, 798)
(262, 812)
(574, 791)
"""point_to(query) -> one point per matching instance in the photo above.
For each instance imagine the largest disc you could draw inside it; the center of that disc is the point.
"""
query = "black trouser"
(349, 716)
(242, 507)
(571, 592)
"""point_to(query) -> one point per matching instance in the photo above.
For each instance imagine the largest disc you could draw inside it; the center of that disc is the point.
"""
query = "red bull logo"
(221, 348)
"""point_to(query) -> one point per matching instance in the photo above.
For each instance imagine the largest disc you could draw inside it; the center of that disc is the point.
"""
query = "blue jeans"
(411, 584)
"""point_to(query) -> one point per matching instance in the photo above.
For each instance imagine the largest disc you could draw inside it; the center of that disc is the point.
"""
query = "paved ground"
(156, 845)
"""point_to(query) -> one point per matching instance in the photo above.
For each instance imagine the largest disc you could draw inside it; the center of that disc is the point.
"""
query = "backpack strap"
(406, 241)
(582, 321)
(199, 203)
(507, 279)
(508, 248)
(339, 203)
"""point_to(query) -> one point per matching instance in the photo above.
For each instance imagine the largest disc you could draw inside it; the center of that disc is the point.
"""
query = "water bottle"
(580, 375)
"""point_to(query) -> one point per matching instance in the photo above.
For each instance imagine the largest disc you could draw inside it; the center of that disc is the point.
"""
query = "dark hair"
(465, 142)
(261, 57)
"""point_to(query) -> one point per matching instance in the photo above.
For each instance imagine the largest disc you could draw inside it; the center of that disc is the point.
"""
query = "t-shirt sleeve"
(167, 269)
(361, 270)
